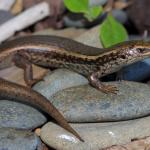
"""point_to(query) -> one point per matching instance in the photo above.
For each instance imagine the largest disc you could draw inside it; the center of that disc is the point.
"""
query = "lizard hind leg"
(26, 65)
(94, 80)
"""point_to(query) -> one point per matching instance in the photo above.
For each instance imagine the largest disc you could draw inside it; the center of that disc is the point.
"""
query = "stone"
(120, 15)
(87, 104)
(5, 16)
(11, 139)
(75, 20)
(91, 37)
(97, 2)
(138, 144)
(96, 135)
(67, 32)
(139, 71)
(19, 115)
(58, 80)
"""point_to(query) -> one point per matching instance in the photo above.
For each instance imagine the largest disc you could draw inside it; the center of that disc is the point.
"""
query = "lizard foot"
(108, 89)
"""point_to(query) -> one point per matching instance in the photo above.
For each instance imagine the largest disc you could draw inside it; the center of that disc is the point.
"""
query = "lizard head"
(137, 50)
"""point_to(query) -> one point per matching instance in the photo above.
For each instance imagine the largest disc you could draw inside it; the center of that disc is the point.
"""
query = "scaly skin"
(58, 52)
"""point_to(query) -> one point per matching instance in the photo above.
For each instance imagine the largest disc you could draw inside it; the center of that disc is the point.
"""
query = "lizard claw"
(100, 86)
(108, 89)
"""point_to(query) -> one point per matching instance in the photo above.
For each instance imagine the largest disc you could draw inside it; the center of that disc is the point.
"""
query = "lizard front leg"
(94, 81)
(26, 65)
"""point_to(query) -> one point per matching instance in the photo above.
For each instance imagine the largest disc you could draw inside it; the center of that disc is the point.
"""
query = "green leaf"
(77, 6)
(82, 6)
(112, 32)
(93, 12)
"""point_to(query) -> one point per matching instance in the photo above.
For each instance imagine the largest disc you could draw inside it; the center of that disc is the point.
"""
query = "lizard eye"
(140, 50)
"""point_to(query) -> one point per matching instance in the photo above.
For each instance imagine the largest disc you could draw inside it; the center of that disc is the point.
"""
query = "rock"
(86, 104)
(60, 79)
(18, 115)
(97, 2)
(120, 15)
(74, 20)
(15, 74)
(139, 37)
(139, 71)
(11, 139)
(140, 144)
(91, 37)
(96, 135)
(5, 16)
(67, 32)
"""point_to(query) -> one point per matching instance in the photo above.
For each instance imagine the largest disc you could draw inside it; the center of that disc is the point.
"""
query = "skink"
(54, 52)
(58, 52)
(15, 92)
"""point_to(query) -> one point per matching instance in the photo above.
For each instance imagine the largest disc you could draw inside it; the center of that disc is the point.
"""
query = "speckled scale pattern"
(59, 52)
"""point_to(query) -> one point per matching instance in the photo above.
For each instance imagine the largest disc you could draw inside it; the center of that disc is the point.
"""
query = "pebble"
(18, 115)
(97, 2)
(74, 20)
(91, 38)
(139, 71)
(120, 15)
(96, 135)
(11, 139)
(139, 144)
(86, 104)
(5, 16)
(67, 32)
(58, 80)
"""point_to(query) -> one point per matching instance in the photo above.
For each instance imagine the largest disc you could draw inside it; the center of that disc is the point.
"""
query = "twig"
(25, 19)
